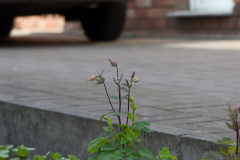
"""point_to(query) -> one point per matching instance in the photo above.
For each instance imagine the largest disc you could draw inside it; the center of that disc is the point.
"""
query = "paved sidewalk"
(184, 83)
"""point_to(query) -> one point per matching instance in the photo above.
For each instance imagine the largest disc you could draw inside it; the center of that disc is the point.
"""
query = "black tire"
(104, 22)
(6, 24)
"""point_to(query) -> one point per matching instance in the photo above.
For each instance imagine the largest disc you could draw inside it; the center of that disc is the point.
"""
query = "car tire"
(104, 22)
(6, 24)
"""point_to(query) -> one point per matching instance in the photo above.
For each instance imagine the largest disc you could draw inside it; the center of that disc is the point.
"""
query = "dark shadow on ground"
(43, 40)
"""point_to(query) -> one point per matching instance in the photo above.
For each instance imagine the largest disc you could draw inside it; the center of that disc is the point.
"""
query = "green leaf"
(124, 89)
(93, 158)
(104, 136)
(225, 140)
(105, 115)
(37, 157)
(224, 151)
(138, 145)
(15, 158)
(231, 126)
(124, 140)
(8, 147)
(55, 155)
(117, 142)
(107, 129)
(94, 145)
(131, 157)
(73, 157)
(232, 149)
(114, 97)
(104, 156)
(109, 121)
(130, 116)
(63, 158)
(146, 154)
(98, 83)
(117, 155)
(117, 114)
(22, 151)
(165, 154)
(129, 150)
(4, 153)
(121, 150)
(107, 147)
(141, 125)
(209, 156)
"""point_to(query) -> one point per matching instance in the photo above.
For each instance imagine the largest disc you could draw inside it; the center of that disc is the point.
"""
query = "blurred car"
(102, 20)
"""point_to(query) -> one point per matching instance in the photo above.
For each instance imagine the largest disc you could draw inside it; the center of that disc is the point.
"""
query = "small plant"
(7, 152)
(232, 152)
(124, 144)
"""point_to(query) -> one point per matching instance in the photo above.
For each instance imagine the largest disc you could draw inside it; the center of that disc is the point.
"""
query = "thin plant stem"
(133, 120)
(119, 118)
(119, 96)
(128, 104)
(108, 97)
(120, 104)
(237, 140)
(117, 72)
(237, 132)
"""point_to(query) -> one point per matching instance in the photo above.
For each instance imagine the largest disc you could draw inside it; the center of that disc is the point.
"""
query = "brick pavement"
(181, 85)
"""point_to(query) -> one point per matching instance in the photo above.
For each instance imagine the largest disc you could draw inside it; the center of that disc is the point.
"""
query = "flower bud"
(113, 63)
(238, 107)
(92, 78)
(136, 80)
(116, 81)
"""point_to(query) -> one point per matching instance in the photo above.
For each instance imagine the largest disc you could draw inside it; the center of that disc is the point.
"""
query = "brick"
(144, 3)
(163, 3)
(141, 13)
(154, 13)
(162, 24)
(152, 24)
(236, 1)
(131, 4)
(211, 23)
(140, 24)
(131, 14)
(181, 7)
(129, 24)
(228, 23)
(189, 23)
(237, 22)
(171, 23)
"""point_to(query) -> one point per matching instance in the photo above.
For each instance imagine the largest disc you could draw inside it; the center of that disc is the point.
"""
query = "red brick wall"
(149, 17)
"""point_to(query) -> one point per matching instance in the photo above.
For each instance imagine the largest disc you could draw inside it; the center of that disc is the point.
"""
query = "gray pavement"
(185, 83)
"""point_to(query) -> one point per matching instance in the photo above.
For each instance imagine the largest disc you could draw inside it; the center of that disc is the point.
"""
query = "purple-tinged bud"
(92, 78)
(119, 79)
(238, 107)
(113, 63)
(117, 82)
(136, 80)
(133, 75)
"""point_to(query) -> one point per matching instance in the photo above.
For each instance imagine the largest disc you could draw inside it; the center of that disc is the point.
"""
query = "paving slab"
(185, 84)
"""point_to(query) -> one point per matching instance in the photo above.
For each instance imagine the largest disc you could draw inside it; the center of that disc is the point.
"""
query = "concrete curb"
(68, 131)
